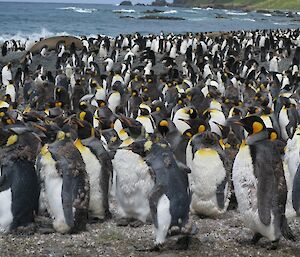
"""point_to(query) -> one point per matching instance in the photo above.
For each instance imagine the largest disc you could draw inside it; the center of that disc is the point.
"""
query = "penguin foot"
(183, 243)
(155, 248)
(108, 215)
(93, 220)
(191, 229)
(256, 238)
(273, 245)
(136, 223)
(46, 231)
(25, 230)
(123, 222)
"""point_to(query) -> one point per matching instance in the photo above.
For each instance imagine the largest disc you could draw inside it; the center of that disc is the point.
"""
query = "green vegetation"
(253, 4)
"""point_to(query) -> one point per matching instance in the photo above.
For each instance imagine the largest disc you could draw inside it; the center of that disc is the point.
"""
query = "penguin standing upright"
(19, 188)
(260, 185)
(292, 160)
(209, 177)
(133, 184)
(171, 197)
(99, 168)
(65, 184)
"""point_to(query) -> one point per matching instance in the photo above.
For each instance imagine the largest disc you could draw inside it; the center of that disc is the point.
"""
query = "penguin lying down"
(170, 197)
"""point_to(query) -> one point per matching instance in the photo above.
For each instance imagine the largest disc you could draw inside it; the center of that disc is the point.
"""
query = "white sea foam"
(124, 11)
(196, 19)
(77, 9)
(197, 8)
(36, 36)
(267, 14)
(248, 19)
(190, 11)
(170, 12)
(237, 13)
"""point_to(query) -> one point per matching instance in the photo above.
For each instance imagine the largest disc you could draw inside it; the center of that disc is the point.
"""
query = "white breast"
(207, 172)
(147, 124)
(6, 216)
(133, 184)
(245, 186)
(93, 169)
(283, 122)
(53, 188)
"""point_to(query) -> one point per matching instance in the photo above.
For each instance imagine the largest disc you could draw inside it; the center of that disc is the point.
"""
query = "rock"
(153, 11)
(157, 17)
(126, 3)
(160, 3)
(167, 255)
(126, 17)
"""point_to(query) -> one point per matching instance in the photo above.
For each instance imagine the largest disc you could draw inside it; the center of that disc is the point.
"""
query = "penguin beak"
(238, 123)
(40, 127)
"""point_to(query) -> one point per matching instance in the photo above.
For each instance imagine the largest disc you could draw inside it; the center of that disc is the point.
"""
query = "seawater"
(36, 20)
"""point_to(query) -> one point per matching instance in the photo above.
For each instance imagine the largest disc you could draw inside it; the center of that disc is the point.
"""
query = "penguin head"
(101, 103)
(252, 124)
(84, 129)
(192, 112)
(140, 147)
(8, 120)
(144, 110)
(272, 134)
(163, 127)
(82, 105)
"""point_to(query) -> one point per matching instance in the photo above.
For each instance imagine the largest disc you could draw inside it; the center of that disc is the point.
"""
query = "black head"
(252, 124)
(163, 127)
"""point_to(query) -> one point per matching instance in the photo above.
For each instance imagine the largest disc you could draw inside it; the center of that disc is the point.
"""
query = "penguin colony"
(165, 125)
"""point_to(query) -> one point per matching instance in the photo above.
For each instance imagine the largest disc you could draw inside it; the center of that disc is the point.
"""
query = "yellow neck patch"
(82, 115)
(78, 144)
(257, 127)
(12, 140)
(164, 123)
(60, 135)
(273, 136)
(201, 129)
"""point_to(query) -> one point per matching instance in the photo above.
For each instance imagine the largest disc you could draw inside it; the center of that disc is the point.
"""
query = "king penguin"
(99, 168)
(65, 184)
(19, 188)
(209, 177)
(170, 197)
(260, 185)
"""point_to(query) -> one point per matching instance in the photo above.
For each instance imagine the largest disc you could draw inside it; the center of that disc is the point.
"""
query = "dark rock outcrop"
(126, 3)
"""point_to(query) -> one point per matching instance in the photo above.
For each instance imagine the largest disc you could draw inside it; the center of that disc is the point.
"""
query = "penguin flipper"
(220, 193)
(296, 192)
(263, 170)
(66, 193)
(292, 125)
(2, 183)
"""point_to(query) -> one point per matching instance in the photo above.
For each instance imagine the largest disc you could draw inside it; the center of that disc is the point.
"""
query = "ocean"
(36, 20)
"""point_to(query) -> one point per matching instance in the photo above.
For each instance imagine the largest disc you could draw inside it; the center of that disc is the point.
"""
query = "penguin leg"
(136, 223)
(256, 238)
(273, 245)
(123, 222)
